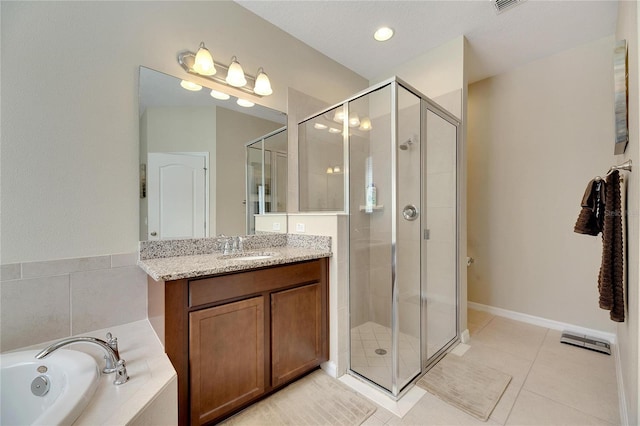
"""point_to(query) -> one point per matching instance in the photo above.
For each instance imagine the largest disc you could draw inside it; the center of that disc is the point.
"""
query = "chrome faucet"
(232, 245)
(114, 362)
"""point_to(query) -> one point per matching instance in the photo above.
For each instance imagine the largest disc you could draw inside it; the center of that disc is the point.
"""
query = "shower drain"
(381, 351)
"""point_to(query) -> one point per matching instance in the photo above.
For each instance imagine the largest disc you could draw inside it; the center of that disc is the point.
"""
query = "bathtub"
(72, 378)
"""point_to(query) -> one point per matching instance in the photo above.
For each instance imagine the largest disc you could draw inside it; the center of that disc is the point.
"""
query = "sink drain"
(381, 351)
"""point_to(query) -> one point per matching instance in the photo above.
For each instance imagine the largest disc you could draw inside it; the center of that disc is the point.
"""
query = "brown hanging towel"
(610, 279)
(591, 218)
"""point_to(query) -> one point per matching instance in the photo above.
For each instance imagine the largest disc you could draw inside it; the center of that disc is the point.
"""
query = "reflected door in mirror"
(177, 193)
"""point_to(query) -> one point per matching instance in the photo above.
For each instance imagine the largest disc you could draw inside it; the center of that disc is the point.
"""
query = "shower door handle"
(410, 212)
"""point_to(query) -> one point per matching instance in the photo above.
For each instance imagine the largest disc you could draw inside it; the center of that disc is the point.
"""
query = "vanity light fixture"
(235, 75)
(383, 34)
(263, 85)
(338, 117)
(203, 65)
(219, 95)
(244, 103)
(189, 85)
(203, 62)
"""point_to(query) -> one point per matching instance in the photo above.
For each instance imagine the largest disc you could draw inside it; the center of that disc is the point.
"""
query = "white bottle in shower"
(370, 198)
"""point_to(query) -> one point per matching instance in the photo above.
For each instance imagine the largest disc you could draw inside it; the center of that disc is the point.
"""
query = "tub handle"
(121, 373)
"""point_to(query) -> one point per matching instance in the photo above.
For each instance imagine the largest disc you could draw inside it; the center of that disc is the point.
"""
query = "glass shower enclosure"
(266, 176)
(400, 191)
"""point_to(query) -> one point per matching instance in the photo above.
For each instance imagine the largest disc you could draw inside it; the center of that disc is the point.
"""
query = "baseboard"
(330, 368)
(543, 322)
(622, 398)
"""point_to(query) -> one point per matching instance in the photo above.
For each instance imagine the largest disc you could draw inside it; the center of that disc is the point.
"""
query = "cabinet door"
(226, 355)
(296, 332)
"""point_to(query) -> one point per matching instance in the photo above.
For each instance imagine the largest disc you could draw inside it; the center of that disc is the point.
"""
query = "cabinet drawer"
(223, 287)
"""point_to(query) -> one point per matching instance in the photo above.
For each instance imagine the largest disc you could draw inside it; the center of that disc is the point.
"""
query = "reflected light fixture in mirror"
(219, 95)
(189, 85)
(365, 124)
(245, 103)
(202, 64)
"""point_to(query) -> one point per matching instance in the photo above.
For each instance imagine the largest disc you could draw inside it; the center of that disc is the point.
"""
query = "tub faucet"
(114, 362)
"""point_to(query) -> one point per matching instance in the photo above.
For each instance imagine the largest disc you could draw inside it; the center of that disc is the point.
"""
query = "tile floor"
(552, 384)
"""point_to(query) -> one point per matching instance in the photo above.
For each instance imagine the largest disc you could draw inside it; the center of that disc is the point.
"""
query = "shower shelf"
(375, 208)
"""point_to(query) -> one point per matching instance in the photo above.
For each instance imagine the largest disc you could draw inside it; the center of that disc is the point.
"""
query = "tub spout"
(112, 356)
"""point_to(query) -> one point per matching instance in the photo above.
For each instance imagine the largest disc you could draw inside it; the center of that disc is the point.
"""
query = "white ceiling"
(343, 30)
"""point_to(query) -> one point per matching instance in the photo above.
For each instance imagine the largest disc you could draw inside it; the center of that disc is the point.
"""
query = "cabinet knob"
(153, 234)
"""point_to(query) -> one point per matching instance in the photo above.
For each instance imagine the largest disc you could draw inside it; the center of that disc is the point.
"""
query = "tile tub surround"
(178, 259)
(53, 299)
(150, 393)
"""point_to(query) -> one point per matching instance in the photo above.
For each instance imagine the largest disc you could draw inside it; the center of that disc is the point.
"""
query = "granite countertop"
(179, 259)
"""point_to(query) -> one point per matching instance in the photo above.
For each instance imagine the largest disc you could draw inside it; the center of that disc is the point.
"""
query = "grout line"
(524, 381)
(570, 406)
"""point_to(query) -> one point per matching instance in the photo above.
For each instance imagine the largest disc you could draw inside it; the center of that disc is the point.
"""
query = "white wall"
(627, 28)
(536, 136)
(69, 100)
(434, 73)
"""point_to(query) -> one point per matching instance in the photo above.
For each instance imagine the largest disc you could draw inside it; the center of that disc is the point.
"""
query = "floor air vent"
(586, 342)
(502, 5)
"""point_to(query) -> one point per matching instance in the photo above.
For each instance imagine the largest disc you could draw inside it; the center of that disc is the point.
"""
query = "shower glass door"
(385, 243)
(439, 248)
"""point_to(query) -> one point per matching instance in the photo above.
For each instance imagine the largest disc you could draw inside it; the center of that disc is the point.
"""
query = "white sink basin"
(248, 256)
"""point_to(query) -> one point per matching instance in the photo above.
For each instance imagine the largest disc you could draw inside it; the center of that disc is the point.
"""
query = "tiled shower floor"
(368, 337)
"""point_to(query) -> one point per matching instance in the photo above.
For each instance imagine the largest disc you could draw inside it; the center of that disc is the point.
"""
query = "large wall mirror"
(194, 160)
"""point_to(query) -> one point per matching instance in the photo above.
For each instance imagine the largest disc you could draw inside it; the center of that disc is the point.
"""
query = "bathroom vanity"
(237, 330)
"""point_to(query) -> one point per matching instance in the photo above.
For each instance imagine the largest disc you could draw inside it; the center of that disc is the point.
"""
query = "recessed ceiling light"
(383, 34)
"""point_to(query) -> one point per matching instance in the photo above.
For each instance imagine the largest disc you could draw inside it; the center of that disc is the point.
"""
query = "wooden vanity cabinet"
(237, 337)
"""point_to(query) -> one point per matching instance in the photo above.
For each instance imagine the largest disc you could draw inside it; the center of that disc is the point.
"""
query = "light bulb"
(235, 75)
(203, 63)
(219, 95)
(319, 126)
(245, 103)
(336, 169)
(190, 86)
(365, 124)
(329, 170)
(263, 85)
